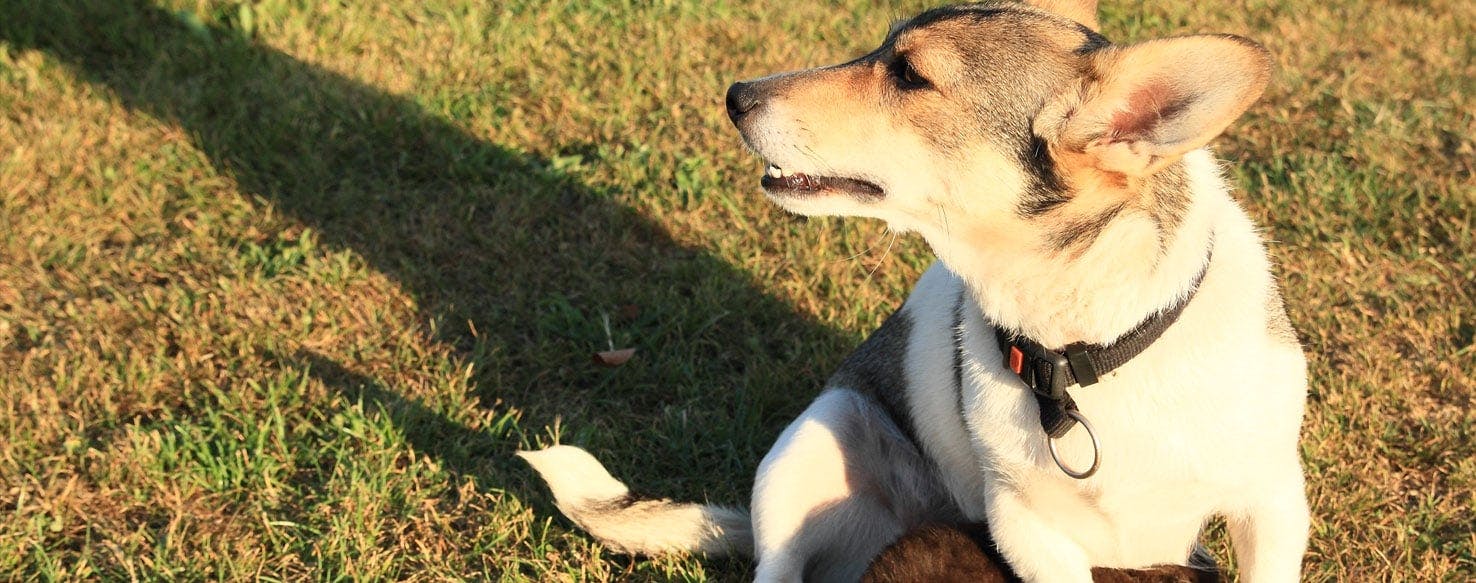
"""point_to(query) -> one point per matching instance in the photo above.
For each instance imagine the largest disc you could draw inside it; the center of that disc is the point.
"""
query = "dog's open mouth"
(778, 181)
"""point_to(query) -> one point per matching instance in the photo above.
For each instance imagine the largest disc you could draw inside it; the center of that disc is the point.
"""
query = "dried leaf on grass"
(613, 358)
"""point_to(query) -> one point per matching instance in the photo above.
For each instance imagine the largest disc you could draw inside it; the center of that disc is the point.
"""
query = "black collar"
(1049, 373)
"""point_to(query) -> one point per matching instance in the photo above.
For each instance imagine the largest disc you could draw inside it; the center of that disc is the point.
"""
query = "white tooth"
(775, 172)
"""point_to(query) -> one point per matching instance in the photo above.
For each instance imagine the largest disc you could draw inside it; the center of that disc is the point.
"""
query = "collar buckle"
(1045, 371)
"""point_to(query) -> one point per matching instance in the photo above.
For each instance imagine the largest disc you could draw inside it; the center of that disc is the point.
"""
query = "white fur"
(815, 504)
(590, 496)
(1204, 422)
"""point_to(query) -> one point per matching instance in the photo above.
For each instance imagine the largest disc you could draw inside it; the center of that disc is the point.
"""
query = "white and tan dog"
(1063, 182)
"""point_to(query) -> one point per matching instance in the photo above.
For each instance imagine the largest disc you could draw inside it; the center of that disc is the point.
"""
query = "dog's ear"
(1082, 11)
(1138, 108)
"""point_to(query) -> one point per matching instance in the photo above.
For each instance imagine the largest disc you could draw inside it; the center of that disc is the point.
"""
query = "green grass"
(283, 284)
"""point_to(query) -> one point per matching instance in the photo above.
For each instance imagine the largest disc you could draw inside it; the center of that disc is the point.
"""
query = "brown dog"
(966, 554)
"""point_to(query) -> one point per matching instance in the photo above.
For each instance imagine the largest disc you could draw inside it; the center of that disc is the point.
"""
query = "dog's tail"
(597, 502)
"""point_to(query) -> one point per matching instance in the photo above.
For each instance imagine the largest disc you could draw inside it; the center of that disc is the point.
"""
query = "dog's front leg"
(839, 485)
(1270, 536)
(1038, 552)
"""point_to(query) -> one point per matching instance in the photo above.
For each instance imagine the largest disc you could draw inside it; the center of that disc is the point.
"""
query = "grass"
(284, 284)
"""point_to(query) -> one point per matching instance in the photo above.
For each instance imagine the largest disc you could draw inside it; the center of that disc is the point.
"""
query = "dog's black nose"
(742, 98)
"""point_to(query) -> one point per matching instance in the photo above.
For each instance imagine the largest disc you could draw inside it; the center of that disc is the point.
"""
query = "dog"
(966, 553)
(1099, 362)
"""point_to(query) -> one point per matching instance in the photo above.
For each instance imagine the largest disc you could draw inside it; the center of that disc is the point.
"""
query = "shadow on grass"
(479, 234)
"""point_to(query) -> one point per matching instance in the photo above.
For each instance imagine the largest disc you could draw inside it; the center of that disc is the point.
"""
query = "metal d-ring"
(1096, 449)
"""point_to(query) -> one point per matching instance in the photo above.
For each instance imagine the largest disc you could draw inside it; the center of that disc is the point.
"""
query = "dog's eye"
(908, 77)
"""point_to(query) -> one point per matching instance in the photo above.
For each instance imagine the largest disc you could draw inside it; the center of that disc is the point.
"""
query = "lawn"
(284, 283)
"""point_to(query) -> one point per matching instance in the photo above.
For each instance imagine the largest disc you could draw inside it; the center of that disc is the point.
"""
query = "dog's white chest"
(1162, 424)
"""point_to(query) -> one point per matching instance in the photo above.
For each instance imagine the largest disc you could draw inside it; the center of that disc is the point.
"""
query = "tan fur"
(1077, 10)
(1117, 120)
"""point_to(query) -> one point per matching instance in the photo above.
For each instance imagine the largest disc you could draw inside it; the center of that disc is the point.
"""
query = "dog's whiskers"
(947, 233)
(891, 241)
(885, 253)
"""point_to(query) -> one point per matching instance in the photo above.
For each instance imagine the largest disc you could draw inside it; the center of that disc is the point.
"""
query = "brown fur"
(966, 554)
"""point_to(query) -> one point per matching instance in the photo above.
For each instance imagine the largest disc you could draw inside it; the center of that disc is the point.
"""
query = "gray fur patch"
(1044, 189)
(1080, 233)
(958, 357)
(877, 369)
(1201, 558)
(1166, 200)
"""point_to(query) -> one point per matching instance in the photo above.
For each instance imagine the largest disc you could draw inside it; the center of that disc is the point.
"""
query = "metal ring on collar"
(1096, 449)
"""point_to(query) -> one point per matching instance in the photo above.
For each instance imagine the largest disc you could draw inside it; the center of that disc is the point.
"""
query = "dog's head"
(998, 119)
